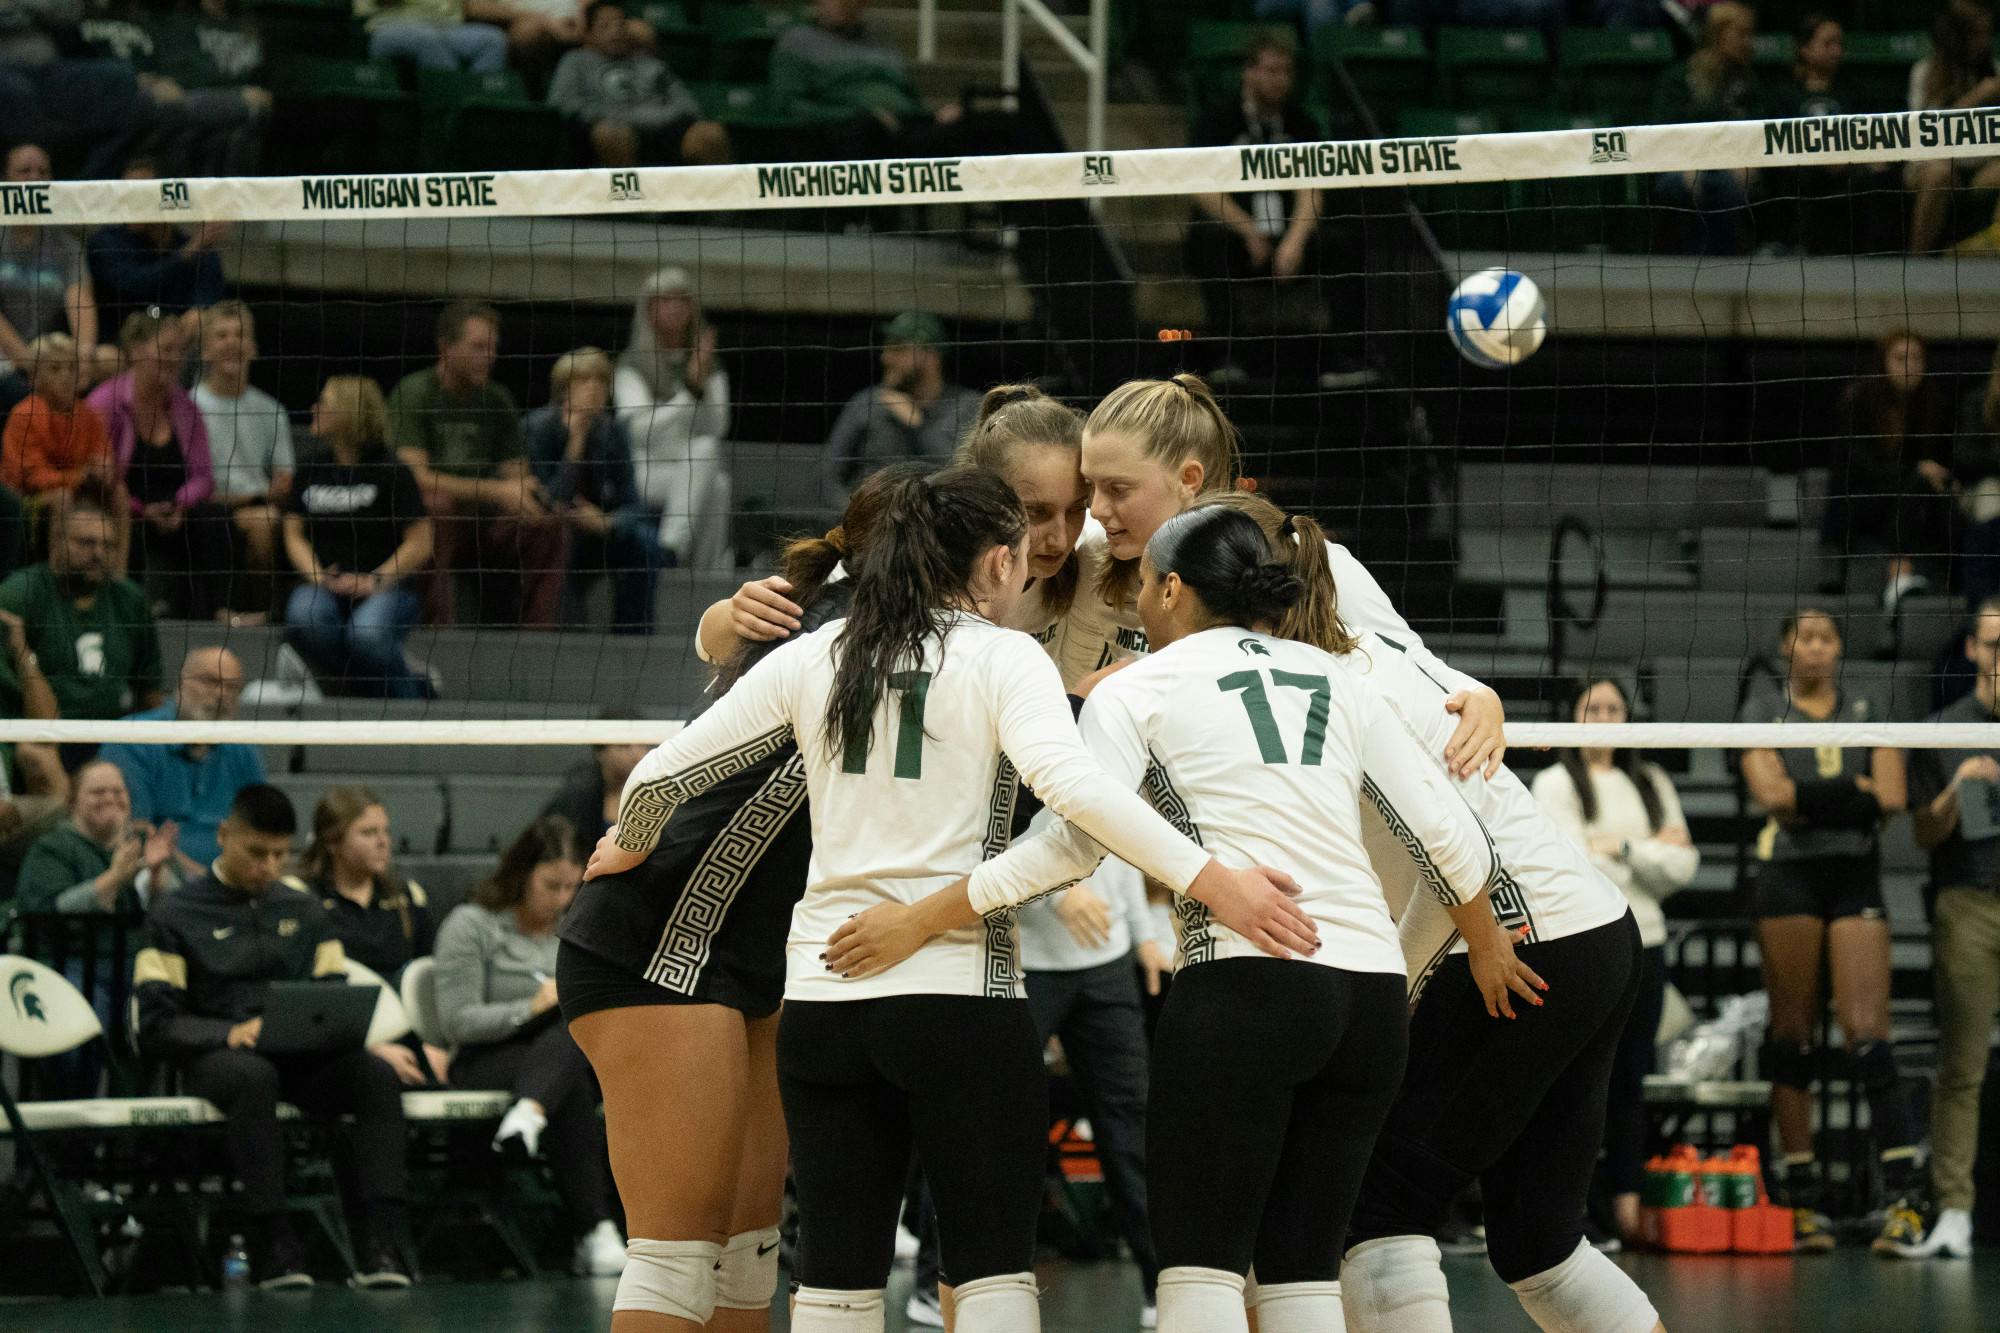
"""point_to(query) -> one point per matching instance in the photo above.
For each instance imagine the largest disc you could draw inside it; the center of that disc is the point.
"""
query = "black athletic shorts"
(587, 982)
(1828, 887)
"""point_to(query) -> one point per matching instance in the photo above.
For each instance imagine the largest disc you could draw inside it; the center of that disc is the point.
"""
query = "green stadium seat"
(1613, 70)
(1429, 122)
(1493, 67)
(1878, 67)
(741, 38)
(336, 116)
(683, 42)
(1388, 66)
(761, 127)
(1215, 59)
(324, 27)
(486, 122)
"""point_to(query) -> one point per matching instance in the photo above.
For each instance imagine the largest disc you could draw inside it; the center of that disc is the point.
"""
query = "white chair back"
(420, 1002)
(390, 1022)
(41, 1014)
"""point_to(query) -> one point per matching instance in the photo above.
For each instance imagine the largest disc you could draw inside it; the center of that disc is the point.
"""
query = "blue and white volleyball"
(1495, 318)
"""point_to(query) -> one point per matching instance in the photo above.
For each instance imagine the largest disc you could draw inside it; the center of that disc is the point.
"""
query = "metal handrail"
(1092, 56)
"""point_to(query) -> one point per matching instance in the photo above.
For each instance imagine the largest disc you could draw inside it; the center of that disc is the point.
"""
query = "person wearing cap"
(912, 413)
(671, 395)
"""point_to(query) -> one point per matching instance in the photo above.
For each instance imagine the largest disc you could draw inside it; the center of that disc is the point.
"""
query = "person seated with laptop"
(219, 999)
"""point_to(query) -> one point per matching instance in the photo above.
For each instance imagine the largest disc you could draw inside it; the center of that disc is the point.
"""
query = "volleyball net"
(1710, 441)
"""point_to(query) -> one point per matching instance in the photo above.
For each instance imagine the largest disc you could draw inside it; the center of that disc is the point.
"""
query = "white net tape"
(1640, 149)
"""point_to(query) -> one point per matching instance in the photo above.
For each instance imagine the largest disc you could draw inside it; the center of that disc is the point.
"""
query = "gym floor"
(1847, 1292)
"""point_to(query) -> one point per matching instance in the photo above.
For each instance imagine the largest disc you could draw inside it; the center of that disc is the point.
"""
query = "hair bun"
(1270, 587)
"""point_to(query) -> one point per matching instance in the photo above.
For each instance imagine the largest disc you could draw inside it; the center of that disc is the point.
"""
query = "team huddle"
(796, 946)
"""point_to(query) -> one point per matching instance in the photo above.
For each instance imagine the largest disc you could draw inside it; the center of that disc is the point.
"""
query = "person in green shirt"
(85, 636)
(460, 434)
(99, 859)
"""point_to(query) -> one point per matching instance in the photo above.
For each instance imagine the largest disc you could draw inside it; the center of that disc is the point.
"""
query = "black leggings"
(546, 1064)
(1625, 1107)
(1270, 1080)
(1518, 1104)
(961, 1078)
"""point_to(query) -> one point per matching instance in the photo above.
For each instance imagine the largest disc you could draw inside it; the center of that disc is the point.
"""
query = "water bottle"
(235, 1265)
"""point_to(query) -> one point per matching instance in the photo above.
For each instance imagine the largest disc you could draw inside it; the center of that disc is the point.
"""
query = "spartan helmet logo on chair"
(26, 1003)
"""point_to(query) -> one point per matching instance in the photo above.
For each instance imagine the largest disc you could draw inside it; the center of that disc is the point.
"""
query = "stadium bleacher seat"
(321, 27)
(681, 41)
(486, 122)
(1214, 60)
(487, 811)
(1389, 67)
(741, 37)
(1609, 73)
(1492, 67)
(1878, 65)
(337, 115)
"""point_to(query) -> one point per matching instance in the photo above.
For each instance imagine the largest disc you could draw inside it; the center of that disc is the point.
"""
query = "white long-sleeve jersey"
(1260, 749)
(931, 799)
(1544, 881)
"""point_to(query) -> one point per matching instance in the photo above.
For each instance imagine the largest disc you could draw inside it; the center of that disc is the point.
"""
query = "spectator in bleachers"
(1975, 463)
(835, 71)
(87, 636)
(583, 463)
(44, 280)
(1274, 233)
(209, 84)
(1890, 486)
(1822, 924)
(381, 919)
(435, 34)
(87, 109)
(155, 266)
(1955, 814)
(99, 859)
(671, 394)
(1717, 82)
(1959, 72)
(249, 448)
(1835, 204)
(460, 434)
(52, 441)
(191, 786)
(1624, 811)
(357, 533)
(628, 101)
(212, 949)
(160, 447)
(496, 991)
(588, 797)
(913, 412)
(1546, 15)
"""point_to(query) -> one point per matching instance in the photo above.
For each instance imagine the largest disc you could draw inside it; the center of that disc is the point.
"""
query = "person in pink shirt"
(159, 447)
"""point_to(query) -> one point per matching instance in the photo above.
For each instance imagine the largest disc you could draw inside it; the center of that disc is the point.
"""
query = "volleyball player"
(678, 965)
(1820, 912)
(941, 1051)
(1519, 1104)
(1271, 1077)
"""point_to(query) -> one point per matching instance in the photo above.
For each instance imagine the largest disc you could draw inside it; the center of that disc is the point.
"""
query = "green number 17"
(1270, 746)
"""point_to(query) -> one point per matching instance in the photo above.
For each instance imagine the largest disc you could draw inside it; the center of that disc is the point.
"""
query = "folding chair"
(43, 1015)
(469, 1186)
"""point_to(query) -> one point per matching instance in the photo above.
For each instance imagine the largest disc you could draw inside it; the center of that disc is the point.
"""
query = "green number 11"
(1271, 746)
(911, 687)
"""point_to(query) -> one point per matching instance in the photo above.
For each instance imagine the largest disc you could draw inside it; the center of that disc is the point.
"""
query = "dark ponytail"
(907, 583)
(807, 563)
(1295, 540)
(1224, 556)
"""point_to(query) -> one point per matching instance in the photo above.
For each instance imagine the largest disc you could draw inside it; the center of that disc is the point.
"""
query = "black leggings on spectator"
(1517, 1104)
(1625, 1104)
(1270, 1080)
(545, 1064)
(246, 1087)
(191, 564)
(958, 1076)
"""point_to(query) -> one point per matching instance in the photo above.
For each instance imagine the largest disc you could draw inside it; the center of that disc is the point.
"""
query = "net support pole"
(1088, 57)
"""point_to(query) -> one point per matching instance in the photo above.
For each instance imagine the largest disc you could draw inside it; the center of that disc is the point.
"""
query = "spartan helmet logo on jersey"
(1253, 648)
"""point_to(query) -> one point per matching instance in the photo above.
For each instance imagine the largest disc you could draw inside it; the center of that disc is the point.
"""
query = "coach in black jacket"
(211, 950)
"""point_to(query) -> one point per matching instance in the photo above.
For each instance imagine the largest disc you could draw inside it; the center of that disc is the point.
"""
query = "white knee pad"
(1201, 1300)
(822, 1310)
(1299, 1307)
(1396, 1285)
(1586, 1293)
(746, 1277)
(1008, 1303)
(669, 1277)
